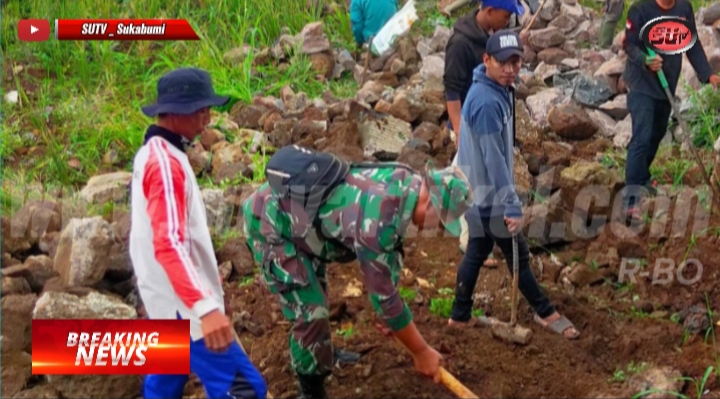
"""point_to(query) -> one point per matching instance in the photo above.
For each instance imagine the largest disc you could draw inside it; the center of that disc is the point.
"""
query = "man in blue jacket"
(369, 16)
(485, 155)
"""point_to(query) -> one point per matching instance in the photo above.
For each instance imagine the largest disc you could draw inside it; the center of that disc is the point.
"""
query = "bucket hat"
(184, 91)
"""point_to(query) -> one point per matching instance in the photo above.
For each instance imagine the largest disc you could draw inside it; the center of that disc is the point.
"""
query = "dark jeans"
(650, 118)
(484, 233)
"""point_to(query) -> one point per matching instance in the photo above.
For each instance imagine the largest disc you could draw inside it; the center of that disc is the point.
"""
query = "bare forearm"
(411, 338)
(453, 108)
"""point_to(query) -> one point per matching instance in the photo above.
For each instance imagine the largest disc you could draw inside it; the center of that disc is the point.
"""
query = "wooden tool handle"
(532, 20)
(449, 380)
(455, 386)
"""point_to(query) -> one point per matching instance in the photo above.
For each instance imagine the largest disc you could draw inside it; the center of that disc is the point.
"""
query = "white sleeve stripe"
(172, 214)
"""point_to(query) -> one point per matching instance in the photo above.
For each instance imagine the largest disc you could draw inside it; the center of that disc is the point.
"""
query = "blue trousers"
(224, 375)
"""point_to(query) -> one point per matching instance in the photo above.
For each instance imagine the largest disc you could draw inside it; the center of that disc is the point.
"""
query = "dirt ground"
(549, 366)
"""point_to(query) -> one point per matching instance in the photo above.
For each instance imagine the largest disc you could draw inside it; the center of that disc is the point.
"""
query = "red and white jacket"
(170, 245)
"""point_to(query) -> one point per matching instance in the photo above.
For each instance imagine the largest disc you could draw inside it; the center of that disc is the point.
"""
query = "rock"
(617, 108)
(546, 71)
(589, 189)
(623, 132)
(591, 92)
(217, 210)
(15, 286)
(529, 55)
(25, 228)
(582, 275)
(612, 67)
(440, 38)
(539, 104)
(413, 158)
(571, 122)
(571, 63)
(398, 67)
(711, 14)
(433, 66)
(235, 251)
(247, 115)
(545, 222)
(230, 161)
(660, 380)
(107, 187)
(16, 371)
(552, 56)
(44, 391)
(572, 11)
(209, 137)
(429, 133)
(388, 135)
(383, 107)
(406, 106)
(93, 305)
(606, 124)
(523, 178)
(566, 23)
(314, 39)
(548, 181)
(237, 55)
(93, 386)
(424, 48)
(370, 92)
(36, 271)
(419, 145)
(81, 258)
(323, 63)
(581, 33)
(550, 10)
(17, 322)
(546, 38)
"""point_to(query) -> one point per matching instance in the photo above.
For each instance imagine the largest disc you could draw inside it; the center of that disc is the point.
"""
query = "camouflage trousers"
(304, 302)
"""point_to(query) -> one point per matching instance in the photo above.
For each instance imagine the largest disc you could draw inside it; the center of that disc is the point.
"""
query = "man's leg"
(637, 172)
(662, 111)
(340, 355)
(613, 13)
(479, 246)
(311, 352)
(527, 284)
(230, 374)
(164, 386)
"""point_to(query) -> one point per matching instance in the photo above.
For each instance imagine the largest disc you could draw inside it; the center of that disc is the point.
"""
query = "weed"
(246, 281)
(346, 331)
(631, 369)
(441, 306)
(407, 294)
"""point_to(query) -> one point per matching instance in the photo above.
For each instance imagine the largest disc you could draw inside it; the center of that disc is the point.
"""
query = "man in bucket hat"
(177, 276)
(365, 216)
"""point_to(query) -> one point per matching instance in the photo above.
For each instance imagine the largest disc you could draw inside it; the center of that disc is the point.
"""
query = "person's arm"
(164, 187)
(357, 21)
(455, 80)
(696, 54)
(632, 43)
(487, 125)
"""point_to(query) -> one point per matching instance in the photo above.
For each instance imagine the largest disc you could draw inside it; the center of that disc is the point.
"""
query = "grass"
(79, 100)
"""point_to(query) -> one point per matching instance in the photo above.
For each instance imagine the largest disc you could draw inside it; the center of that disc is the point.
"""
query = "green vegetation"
(79, 100)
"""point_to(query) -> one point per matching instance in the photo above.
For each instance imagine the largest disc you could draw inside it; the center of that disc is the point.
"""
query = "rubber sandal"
(558, 326)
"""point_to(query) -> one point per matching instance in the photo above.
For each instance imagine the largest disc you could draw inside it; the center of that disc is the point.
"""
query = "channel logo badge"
(33, 30)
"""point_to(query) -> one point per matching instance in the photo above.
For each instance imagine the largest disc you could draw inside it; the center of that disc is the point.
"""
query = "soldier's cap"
(450, 195)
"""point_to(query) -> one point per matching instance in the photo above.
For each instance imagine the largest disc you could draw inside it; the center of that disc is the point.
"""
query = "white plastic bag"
(398, 25)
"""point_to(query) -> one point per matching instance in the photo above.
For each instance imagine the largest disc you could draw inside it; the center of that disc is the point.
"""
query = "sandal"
(558, 326)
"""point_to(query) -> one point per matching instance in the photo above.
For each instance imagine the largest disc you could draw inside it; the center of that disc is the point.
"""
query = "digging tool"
(532, 20)
(686, 130)
(510, 332)
(449, 380)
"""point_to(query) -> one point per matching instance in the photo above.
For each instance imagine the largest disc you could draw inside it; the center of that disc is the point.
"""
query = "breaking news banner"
(124, 29)
(110, 346)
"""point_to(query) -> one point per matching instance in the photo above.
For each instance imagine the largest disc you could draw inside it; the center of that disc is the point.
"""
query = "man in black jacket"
(647, 102)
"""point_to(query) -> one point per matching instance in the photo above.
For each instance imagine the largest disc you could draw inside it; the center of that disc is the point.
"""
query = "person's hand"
(525, 37)
(715, 81)
(514, 224)
(428, 363)
(654, 63)
(383, 330)
(217, 331)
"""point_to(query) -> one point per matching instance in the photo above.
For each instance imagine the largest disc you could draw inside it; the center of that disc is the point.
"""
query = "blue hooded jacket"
(485, 148)
(369, 16)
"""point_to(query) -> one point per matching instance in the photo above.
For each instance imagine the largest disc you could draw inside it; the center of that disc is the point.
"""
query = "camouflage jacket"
(366, 217)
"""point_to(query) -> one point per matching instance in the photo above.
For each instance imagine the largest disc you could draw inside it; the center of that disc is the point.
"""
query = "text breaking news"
(110, 346)
(124, 29)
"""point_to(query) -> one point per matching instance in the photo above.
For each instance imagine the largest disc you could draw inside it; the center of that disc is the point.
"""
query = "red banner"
(110, 346)
(124, 29)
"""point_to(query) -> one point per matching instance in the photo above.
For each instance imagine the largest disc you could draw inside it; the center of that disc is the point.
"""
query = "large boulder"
(570, 121)
(82, 253)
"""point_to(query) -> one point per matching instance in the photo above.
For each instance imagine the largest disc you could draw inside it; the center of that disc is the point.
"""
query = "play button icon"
(33, 30)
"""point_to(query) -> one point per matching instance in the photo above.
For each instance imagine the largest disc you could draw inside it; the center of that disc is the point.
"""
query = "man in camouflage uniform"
(366, 217)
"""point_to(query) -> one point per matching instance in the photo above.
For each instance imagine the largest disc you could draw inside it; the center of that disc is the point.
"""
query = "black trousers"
(650, 118)
(484, 233)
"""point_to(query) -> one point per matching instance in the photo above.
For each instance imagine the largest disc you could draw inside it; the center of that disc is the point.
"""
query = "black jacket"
(464, 52)
(641, 79)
